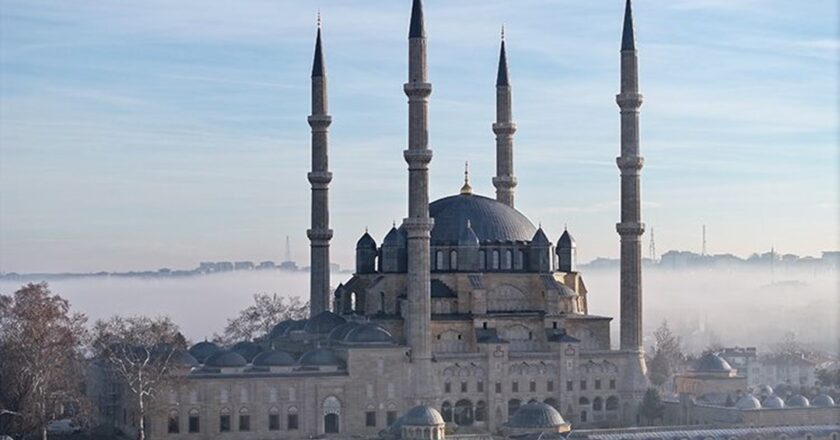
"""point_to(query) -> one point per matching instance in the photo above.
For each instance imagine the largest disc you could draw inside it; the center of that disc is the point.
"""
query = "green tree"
(652, 408)
(41, 359)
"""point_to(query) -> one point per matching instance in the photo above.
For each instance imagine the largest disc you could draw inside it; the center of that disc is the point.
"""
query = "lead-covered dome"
(748, 402)
(490, 220)
(773, 402)
(822, 400)
(320, 357)
(274, 358)
(323, 323)
(369, 334)
(799, 400)
(226, 359)
(712, 363)
(536, 415)
(422, 416)
(203, 350)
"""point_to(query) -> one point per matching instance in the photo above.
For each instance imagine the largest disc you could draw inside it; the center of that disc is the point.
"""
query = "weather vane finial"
(466, 189)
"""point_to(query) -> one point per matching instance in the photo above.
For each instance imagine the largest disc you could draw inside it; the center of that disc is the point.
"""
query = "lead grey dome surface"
(536, 415)
(226, 359)
(323, 323)
(712, 363)
(369, 334)
(822, 400)
(203, 350)
(274, 358)
(748, 402)
(490, 220)
(422, 416)
(773, 401)
(247, 349)
(320, 357)
(798, 400)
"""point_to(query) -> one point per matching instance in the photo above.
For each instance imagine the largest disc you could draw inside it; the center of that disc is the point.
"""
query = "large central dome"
(491, 221)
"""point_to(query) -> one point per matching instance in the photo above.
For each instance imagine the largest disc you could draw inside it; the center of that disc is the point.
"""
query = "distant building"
(266, 265)
(243, 266)
(773, 369)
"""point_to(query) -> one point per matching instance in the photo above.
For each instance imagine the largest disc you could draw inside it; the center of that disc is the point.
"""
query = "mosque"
(466, 320)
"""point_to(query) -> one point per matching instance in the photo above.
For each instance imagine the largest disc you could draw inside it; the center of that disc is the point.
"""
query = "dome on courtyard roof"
(338, 333)
(422, 416)
(536, 415)
(320, 357)
(773, 401)
(226, 359)
(203, 350)
(712, 363)
(369, 334)
(323, 323)
(185, 358)
(748, 402)
(798, 400)
(766, 390)
(489, 219)
(274, 358)
(822, 400)
(280, 329)
(247, 349)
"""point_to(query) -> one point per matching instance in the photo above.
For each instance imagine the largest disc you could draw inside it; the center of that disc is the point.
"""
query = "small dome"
(274, 358)
(540, 239)
(422, 416)
(566, 241)
(765, 390)
(280, 329)
(366, 242)
(773, 401)
(296, 325)
(798, 400)
(822, 400)
(338, 333)
(712, 363)
(185, 359)
(320, 357)
(226, 359)
(536, 415)
(467, 236)
(748, 402)
(247, 349)
(203, 350)
(323, 323)
(395, 238)
(369, 334)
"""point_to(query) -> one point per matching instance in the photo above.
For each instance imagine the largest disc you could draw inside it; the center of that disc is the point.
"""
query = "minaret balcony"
(416, 89)
(504, 128)
(319, 121)
(629, 100)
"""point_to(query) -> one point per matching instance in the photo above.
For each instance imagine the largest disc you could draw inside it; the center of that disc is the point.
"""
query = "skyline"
(138, 185)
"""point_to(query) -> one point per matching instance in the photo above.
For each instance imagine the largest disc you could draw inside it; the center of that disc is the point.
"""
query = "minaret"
(418, 225)
(504, 128)
(320, 177)
(630, 163)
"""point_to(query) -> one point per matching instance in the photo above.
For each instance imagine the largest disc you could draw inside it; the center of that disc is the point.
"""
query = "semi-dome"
(712, 363)
(226, 359)
(774, 402)
(489, 219)
(748, 402)
(536, 415)
(323, 323)
(369, 334)
(422, 416)
(798, 400)
(822, 400)
(247, 349)
(203, 350)
(320, 357)
(274, 358)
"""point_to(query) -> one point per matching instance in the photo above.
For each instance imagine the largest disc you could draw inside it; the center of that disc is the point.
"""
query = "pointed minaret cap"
(628, 38)
(502, 77)
(417, 28)
(318, 62)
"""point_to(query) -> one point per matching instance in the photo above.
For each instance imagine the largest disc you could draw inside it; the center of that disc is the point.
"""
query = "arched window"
(439, 261)
(495, 263)
(583, 401)
(194, 423)
(507, 261)
(244, 420)
(173, 425)
(513, 406)
(453, 260)
(519, 262)
(446, 411)
(597, 404)
(481, 411)
(482, 260)
(612, 403)
(332, 412)
(224, 420)
(274, 419)
(292, 421)
(353, 302)
(463, 413)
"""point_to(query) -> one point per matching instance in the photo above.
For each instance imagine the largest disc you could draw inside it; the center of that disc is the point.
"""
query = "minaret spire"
(630, 163)
(319, 179)
(504, 128)
(418, 225)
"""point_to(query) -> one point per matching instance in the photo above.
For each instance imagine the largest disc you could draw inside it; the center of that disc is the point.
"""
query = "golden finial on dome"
(466, 190)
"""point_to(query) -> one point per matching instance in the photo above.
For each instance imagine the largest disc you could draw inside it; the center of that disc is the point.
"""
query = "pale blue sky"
(140, 134)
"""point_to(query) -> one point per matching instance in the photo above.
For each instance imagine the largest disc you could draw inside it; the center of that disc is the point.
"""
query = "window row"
(225, 421)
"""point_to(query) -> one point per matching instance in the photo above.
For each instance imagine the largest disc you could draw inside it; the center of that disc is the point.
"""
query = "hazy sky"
(141, 134)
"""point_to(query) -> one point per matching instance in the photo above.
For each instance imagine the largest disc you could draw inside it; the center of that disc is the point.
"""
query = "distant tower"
(652, 249)
(288, 255)
(504, 128)
(630, 163)
(320, 178)
(418, 225)
(703, 252)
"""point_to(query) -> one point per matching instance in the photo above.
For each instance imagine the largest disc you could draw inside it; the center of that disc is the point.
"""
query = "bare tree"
(41, 359)
(143, 354)
(788, 345)
(257, 320)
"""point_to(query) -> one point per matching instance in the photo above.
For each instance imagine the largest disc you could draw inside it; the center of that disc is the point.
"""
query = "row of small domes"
(336, 328)
(774, 402)
(211, 355)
